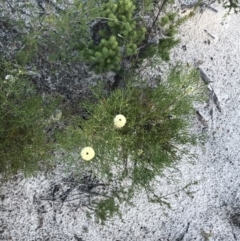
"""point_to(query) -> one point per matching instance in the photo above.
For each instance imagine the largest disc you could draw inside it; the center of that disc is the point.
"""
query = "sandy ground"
(209, 209)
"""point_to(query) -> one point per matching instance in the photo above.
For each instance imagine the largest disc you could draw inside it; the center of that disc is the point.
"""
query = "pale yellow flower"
(57, 115)
(119, 121)
(189, 90)
(10, 78)
(87, 153)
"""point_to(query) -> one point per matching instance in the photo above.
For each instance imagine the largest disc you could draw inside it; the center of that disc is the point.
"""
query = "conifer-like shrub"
(119, 34)
(105, 35)
(135, 132)
(24, 115)
(105, 56)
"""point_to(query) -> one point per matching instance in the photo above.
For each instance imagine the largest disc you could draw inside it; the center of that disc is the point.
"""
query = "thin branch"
(155, 20)
(12, 8)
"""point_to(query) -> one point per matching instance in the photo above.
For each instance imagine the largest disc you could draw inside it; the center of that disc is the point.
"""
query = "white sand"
(212, 201)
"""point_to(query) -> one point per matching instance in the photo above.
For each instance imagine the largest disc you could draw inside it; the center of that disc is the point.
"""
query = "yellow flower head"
(189, 90)
(57, 115)
(10, 78)
(87, 153)
(119, 121)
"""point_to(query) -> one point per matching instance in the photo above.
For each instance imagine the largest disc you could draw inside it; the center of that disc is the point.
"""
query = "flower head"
(189, 90)
(87, 153)
(57, 115)
(119, 121)
(10, 78)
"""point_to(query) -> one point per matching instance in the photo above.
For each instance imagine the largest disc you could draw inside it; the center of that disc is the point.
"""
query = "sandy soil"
(209, 209)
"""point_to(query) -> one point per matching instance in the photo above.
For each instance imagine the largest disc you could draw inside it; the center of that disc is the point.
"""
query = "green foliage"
(105, 56)
(147, 51)
(106, 208)
(162, 49)
(164, 46)
(155, 134)
(169, 23)
(23, 113)
(29, 50)
(102, 33)
(59, 34)
(144, 6)
(119, 30)
(164, 20)
(231, 4)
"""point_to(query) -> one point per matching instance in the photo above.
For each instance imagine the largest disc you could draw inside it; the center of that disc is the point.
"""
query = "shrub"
(137, 131)
(115, 29)
(127, 136)
(24, 143)
(103, 34)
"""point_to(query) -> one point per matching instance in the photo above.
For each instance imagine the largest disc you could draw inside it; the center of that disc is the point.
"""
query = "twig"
(203, 76)
(39, 2)
(211, 8)
(201, 119)
(216, 102)
(92, 185)
(181, 236)
(209, 34)
(155, 20)
(13, 10)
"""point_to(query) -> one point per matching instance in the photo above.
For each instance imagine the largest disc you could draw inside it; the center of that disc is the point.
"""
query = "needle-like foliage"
(23, 118)
(156, 133)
